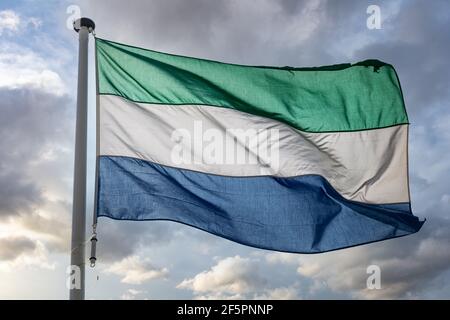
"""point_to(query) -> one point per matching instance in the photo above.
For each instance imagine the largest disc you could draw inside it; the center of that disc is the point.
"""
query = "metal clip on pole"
(94, 240)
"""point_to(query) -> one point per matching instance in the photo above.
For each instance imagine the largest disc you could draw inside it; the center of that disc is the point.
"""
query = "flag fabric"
(290, 159)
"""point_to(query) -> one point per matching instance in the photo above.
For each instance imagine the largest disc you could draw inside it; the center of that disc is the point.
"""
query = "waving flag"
(290, 159)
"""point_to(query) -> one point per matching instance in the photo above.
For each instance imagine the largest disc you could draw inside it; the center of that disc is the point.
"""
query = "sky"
(166, 260)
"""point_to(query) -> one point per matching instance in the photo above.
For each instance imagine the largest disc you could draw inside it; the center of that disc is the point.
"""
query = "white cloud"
(232, 275)
(132, 294)
(12, 23)
(235, 278)
(219, 296)
(284, 293)
(134, 270)
(281, 257)
(20, 67)
(9, 21)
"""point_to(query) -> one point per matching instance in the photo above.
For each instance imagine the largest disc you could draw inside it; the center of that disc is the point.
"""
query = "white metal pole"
(83, 26)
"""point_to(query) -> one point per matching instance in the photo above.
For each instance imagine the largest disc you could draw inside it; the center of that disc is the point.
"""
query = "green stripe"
(345, 97)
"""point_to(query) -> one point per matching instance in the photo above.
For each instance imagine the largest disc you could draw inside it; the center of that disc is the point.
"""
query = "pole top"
(84, 22)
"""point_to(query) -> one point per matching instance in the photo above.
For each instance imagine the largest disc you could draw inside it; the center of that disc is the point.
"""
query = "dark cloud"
(12, 248)
(408, 266)
(17, 193)
(55, 230)
(32, 123)
(291, 6)
(157, 22)
(418, 45)
(119, 239)
(414, 274)
(233, 31)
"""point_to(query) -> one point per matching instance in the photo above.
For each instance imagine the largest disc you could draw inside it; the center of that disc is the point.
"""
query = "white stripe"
(368, 166)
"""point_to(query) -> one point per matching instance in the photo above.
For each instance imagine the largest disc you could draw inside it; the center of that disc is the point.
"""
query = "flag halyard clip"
(94, 240)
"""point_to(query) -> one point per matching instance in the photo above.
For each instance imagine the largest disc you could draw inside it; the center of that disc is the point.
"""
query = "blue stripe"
(298, 214)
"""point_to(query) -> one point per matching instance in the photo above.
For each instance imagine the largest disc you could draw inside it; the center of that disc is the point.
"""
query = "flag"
(289, 159)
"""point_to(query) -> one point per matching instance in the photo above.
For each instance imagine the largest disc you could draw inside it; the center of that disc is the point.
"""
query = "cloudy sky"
(165, 260)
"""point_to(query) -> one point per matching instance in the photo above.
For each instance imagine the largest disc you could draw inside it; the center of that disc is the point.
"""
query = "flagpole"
(84, 27)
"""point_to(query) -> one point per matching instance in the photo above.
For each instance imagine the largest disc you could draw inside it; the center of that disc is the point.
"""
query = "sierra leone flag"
(290, 159)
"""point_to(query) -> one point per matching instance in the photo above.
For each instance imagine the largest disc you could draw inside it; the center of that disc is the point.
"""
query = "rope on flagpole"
(94, 239)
